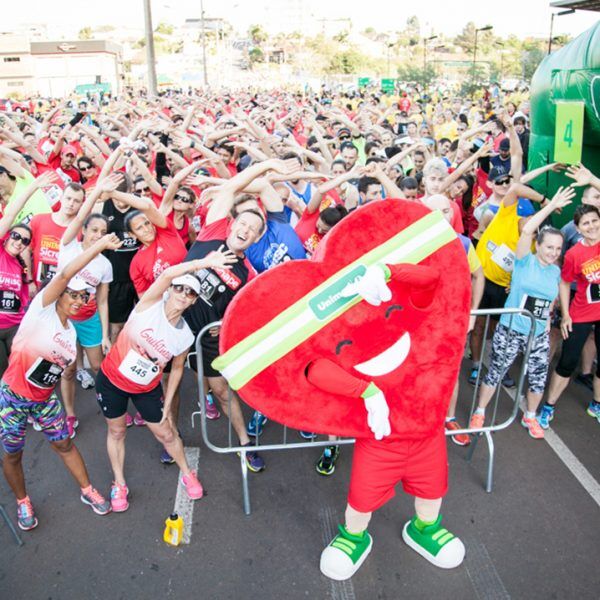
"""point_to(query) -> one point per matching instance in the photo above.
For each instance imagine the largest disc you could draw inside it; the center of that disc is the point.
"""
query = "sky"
(521, 17)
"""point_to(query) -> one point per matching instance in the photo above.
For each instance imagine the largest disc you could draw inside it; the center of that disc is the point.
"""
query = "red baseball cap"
(68, 149)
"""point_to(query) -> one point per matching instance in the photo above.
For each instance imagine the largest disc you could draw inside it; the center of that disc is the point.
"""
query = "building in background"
(56, 69)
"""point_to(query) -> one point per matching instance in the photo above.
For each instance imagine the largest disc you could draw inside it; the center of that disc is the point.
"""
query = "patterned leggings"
(506, 345)
(14, 412)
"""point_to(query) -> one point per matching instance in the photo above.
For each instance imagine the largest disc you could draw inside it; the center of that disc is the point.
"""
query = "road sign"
(363, 81)
(568, 136)
(388, 85)
(92, 88)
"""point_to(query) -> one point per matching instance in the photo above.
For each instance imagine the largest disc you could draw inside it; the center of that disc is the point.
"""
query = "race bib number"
(538, 307)
(210, 286)
(504, 257)
(46, 272)
(130, 244)
(44, 374)
(137, 369)
(9, 302)
(593, 293)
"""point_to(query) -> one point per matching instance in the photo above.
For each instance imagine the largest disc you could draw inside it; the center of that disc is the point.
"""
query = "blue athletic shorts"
(89, 332)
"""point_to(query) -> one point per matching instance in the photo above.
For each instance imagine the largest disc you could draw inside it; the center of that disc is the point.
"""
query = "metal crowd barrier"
(496, 424)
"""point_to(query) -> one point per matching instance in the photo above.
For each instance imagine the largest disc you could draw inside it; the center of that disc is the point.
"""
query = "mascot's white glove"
(372, 286)
(378, 412)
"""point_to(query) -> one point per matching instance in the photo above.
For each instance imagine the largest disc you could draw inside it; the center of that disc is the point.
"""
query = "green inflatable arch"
(571, 73)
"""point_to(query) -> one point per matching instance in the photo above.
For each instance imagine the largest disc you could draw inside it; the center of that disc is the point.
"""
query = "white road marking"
(482, 573)
(184, 506)
(340, 590)
(590, 485)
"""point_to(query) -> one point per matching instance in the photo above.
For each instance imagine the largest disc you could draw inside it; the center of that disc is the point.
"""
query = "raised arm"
(14, 208)
(582, 176)
(561, 199)
(58, 284)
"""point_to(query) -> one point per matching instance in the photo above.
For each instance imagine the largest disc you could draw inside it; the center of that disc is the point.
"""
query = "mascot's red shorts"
(377, 467)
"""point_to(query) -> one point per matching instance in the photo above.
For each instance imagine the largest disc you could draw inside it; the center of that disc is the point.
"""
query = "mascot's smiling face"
(410, 346)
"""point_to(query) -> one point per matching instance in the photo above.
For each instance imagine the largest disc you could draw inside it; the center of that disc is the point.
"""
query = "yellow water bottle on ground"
(173, 530)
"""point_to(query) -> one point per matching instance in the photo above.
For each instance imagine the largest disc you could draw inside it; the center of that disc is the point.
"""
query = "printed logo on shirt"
(231, 280)
(275, 255)
(49, 247)
(590, 269)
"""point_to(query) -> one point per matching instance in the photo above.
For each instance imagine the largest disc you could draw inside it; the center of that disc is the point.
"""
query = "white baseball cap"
(78, 284)
(188, 279)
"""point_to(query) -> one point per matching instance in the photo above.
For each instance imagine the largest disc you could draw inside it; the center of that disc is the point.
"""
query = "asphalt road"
(535, 536)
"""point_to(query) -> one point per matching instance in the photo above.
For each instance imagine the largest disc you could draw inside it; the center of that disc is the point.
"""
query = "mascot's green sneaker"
(433, 542)
(344, 555)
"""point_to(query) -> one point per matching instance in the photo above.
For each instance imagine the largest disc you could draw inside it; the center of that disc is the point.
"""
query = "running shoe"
(72, 424)
(166, 458)
(128, 420)
(594, 410)
(118, 497)
(508, 381)
(193, 487)
(99, 504)
(307, 435)
(212, 412)
(532, 425)
(345, 554)
(85, 379)
(326, 464)
(546, 415)
(254, 461)
(256, 424)
(476, 421)
(461, 439)
(138, 420)
(473, 376)
(586, 380)
(434, 542)
(26, 518)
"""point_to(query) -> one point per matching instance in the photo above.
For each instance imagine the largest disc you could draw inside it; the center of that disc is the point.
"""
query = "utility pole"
(203, 43)
(150, 56)
(486, 28)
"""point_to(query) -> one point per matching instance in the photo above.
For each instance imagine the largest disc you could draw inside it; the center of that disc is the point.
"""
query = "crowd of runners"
(129, 224)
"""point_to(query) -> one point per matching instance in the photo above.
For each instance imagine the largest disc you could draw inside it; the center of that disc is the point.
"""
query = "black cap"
(498, 173)
(504, 144)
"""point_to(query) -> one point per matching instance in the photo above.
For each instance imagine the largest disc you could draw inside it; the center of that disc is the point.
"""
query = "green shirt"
(37, 203)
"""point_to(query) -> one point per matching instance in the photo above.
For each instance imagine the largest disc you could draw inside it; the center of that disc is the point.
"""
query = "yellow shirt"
(496, 247)
(446, 130)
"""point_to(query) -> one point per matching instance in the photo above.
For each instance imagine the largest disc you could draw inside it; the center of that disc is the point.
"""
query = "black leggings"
(573, 345)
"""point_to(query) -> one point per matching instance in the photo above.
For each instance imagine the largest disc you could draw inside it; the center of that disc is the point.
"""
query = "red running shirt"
(582, 265)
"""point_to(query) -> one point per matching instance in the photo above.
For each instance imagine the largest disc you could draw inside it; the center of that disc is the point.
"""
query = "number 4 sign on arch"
(568, 140)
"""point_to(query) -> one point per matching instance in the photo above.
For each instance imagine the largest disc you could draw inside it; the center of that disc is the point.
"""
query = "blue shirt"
(280, 243)
(533, 287)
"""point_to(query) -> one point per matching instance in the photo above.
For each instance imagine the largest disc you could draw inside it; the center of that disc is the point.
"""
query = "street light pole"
(558, 14)
(425, 40)
(203, 43)
(486, 28)
(150, 56)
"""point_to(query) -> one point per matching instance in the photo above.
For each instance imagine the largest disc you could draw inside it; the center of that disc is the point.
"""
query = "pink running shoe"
(72, 424)
(535, 430)
(193, 487)
(138, 420)
(128, 420)
(118, 497)
(212, 412)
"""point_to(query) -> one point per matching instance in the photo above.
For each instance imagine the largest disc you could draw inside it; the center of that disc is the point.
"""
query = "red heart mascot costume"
(364, 340)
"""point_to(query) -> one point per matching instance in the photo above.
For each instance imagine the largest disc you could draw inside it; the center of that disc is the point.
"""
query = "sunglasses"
(184, 289)
(85, 167)
(17, 237)
(184, 198)
(502, 181)
(142, 190)
(82, 295)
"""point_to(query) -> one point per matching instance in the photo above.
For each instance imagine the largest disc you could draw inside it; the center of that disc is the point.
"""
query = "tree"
(413, 30)
(164, 28)
(411, 73)
(257, 34)
(85, 33)
(466, 39)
